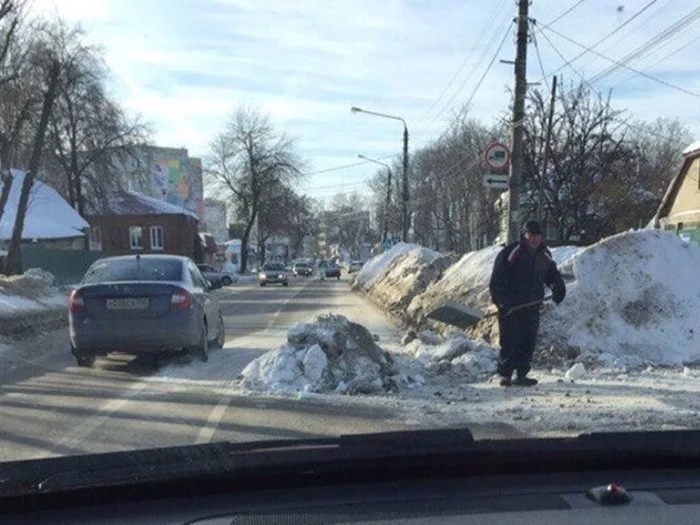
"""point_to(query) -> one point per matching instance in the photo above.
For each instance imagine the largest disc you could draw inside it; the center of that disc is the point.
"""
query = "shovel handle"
(527, 305)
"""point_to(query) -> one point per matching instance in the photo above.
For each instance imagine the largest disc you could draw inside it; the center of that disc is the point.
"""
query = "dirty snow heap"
(328, 354)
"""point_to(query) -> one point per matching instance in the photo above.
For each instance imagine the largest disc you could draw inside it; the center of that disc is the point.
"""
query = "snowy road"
(49, 406)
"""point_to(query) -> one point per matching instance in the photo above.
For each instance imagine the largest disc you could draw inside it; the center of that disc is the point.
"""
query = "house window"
(95, 239)
(136, 237)
(156, 237)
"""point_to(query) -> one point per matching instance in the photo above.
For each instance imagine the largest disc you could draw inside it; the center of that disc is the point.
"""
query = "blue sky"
(185, 65)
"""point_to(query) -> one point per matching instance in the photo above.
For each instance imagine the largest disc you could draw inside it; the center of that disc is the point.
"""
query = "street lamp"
(388, 195)
(404, 214)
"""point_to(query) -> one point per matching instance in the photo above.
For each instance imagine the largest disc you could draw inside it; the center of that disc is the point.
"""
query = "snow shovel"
(463, 317)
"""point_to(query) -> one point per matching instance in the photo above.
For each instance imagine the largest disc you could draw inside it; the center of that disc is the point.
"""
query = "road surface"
(49, 406)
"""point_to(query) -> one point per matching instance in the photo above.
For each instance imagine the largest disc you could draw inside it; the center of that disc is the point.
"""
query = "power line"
(539, 58)
(471, 73)
(594, 90)
(619, 64)
(598, 42)
(565, 12)
(654, 41)
(479, 38)
(346, 166)
(663, 59)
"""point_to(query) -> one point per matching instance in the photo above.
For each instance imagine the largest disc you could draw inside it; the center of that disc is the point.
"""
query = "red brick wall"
(179, 233)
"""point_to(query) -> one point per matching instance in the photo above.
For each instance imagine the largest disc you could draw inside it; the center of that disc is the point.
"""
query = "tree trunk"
(13, 256)
(6, 187)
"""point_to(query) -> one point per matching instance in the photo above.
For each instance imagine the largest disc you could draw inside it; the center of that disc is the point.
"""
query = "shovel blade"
(455, 314)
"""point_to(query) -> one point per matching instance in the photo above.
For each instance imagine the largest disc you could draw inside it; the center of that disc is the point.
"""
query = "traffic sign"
(497, 156)
(496, 182)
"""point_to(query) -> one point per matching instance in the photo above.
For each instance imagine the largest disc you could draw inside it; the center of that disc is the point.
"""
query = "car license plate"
(128, 303)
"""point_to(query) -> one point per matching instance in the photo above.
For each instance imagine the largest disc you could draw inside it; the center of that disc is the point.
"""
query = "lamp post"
(404, 213)
(388, 195)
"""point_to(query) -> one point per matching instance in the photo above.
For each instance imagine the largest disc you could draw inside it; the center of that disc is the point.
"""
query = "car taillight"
(181, 300)
(75, 302)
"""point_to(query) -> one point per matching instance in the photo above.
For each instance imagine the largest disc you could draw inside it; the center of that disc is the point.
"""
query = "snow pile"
(634, 302)
(34, 283)
(328, 354)
(453, 353)
(396, 281)
(467, 281)
(376, 266)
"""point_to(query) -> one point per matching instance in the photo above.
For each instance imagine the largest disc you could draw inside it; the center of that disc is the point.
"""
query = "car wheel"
(285, 283)
(338, 277)
(221, 331)
(262, 284)
(202, 348)
(226, 281)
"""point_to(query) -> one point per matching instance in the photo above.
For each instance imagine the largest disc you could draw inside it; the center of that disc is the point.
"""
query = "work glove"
(558, 294)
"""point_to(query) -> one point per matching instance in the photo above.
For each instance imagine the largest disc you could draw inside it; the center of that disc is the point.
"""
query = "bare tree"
(13, 255)
(347, 221)
(285, 213)
(86, 125)
(249, 157)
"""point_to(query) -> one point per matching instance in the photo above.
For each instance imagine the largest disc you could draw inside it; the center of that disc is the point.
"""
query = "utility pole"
(516, 165)
(387, 205)
(405, 184)
(545, 156)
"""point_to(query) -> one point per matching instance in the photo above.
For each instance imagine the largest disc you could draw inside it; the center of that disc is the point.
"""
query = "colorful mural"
(177, 179)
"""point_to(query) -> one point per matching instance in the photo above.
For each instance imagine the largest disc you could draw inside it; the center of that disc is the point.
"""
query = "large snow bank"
(328, 354)
(375, 267)
(397, 279)
(634, 301)
(467, 281)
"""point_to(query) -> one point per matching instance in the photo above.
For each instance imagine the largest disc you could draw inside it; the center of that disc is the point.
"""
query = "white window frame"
(133, 237)
(157, 237)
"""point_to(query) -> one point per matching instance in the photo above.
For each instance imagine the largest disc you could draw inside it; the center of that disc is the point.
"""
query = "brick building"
(134, 223)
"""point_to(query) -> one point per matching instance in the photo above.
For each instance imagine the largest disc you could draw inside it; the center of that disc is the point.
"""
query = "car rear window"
(301, 265)
(134, 270)
(274, 267)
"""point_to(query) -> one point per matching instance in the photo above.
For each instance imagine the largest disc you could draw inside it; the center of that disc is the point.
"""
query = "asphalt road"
(49, 406)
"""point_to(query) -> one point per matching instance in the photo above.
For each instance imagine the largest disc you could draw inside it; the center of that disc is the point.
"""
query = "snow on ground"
(377, 266)
(328, 354)
(396, 280)
(634, 302)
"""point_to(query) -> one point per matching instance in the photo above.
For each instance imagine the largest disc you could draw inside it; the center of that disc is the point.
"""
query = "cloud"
(307, 62)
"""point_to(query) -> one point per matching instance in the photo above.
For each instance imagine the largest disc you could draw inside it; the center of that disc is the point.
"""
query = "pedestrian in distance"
(520, 274)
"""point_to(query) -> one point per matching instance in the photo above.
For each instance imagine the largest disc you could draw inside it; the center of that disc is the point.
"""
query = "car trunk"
(128, 300)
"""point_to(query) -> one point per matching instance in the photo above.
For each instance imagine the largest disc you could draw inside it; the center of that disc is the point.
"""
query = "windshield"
(384, 224)
(134, 270)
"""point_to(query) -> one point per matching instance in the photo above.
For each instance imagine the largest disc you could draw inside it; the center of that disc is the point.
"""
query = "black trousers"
(518, 335)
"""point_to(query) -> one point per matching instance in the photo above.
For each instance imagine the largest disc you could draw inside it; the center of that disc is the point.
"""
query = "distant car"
(273, 273)
(302, 269)
(355, 266)
(329, 269)
(144, 305)
(212, 274)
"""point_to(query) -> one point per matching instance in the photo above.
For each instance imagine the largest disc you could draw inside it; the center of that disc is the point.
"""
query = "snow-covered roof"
(48, 216)
(124, 202)
(695, 146)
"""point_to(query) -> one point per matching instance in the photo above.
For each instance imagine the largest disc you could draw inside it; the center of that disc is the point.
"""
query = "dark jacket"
(519, 276)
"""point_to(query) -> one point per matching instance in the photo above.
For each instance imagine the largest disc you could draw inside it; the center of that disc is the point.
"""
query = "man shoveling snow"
(519, 275)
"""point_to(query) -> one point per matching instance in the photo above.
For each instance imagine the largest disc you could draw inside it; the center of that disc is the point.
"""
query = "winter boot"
(525, 381)
(506, 381)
